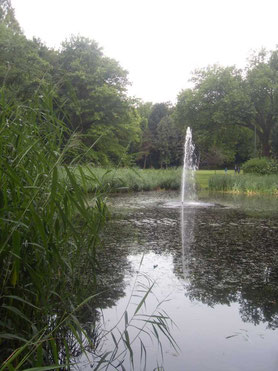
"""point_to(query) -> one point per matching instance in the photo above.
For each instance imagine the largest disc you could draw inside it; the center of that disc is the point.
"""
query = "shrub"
(261, 166)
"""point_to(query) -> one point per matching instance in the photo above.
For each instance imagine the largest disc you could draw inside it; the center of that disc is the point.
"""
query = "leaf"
(45, 368)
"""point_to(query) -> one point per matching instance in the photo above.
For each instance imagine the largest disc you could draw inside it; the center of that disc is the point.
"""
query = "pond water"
(215, 269)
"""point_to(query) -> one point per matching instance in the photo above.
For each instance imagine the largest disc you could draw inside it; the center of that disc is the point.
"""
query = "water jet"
(188, 189)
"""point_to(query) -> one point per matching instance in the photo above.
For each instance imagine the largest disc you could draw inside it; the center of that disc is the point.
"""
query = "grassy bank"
(129, 179)
(248, 183)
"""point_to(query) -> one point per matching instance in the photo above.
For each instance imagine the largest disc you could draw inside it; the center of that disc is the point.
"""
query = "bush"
(262, 166)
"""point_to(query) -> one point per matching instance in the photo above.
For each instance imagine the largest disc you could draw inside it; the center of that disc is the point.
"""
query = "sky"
(159, 42)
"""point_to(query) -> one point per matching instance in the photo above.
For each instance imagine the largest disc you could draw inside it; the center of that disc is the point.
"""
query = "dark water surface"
(216, 263)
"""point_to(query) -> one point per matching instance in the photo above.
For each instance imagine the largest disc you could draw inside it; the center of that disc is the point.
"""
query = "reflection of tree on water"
(233, 259)
(227, 257)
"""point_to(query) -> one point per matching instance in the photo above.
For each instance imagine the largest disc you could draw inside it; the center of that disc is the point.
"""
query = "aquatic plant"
(46, 227)
(136, 327)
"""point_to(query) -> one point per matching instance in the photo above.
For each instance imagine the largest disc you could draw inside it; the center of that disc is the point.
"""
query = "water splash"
(188, 189)
(188, 192)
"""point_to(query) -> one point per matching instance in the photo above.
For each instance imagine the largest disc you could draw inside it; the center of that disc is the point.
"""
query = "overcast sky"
(160, 42)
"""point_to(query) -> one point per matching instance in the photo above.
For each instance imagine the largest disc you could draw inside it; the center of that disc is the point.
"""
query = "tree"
(92, 88)
(7, 16)
(143, 148)
(22, 70)
(216, 109)
(158, 112)
(223, 97)
(262, 88)
(169, 142)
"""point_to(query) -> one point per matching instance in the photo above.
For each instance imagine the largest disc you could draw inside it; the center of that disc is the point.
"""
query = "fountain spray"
(189, 167)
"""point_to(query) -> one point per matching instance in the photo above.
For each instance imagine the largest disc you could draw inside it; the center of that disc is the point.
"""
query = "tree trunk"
(264, 137)
(266, 149)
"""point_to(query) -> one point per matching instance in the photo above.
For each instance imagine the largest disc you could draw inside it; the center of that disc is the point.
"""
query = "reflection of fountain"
(187, 237)
(189, 167)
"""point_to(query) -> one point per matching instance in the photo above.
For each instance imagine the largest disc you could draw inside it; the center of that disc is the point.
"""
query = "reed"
(135, 180)
(43, 222)
(128, 179)
(246, 183)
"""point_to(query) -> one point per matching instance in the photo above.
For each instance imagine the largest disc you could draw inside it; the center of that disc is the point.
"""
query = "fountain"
(188, 190)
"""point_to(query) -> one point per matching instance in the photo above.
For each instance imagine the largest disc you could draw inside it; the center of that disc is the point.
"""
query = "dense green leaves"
(42, 242)
(261, 166)
(162, 142)
(217, 109)
(225, 100)
(90, 89)
(7, 16)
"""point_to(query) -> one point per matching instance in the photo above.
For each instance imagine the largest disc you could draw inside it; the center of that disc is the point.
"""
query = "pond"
(215, 271)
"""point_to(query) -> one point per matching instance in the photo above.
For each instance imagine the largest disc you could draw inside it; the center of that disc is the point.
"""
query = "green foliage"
(46, 229)
(247, 183)
(92, 88)
(161, 142)
(131, 179)
(274, 142)
(226, 106)
(262, 165)
(152, 325)
(212, 109)
(22, 70)
(221, 182)
(7, 16)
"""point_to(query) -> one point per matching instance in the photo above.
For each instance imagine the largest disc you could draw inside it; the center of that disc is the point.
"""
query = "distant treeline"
(233, 113)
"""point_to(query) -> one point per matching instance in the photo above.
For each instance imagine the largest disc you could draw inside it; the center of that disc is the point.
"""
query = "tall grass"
(129, 179)
(49, 237)
(135, 180)
(45, 228)
(246, 183)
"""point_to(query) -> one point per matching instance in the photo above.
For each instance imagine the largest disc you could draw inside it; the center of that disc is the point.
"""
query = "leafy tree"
(226, 97)
(143, 148)
(22, 70)
(262, 88)
(274, 141)
(217, 108)
(169, 142)
(7, 16)
(93, 89)
(158, 112)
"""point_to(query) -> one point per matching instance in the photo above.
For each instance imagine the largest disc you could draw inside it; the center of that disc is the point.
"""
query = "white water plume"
(188, 189)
